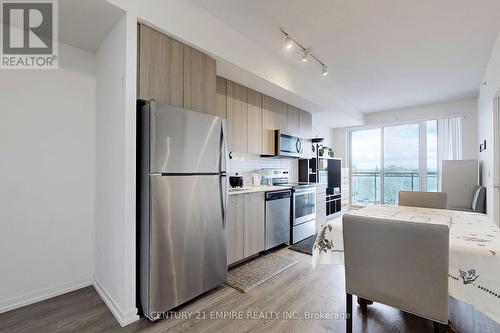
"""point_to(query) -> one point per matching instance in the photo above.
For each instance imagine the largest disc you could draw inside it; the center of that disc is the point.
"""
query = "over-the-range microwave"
(287, 145)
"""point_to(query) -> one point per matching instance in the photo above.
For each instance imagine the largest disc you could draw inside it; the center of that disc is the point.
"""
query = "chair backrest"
(479, 200)
(437, 200)
(398, 263)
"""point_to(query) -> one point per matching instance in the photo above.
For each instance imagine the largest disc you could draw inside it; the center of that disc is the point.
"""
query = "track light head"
(306, 55)
(288, 42)
(324, 71)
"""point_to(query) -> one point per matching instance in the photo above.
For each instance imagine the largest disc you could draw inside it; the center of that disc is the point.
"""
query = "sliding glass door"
(390, 159)
(401, 161)
(366, 166)
(432, 180)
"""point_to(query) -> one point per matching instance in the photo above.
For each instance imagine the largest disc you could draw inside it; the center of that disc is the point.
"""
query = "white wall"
(47, 145)
(246, 164)
(485, 115)
(115, 171)
(340, 145)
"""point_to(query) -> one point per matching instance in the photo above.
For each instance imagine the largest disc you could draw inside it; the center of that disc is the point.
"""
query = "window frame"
(422, 140)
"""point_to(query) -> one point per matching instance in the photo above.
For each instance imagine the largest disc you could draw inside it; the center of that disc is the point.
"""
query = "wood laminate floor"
(297, 291)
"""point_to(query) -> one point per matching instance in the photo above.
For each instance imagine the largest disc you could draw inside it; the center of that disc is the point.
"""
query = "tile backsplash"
(246, 164)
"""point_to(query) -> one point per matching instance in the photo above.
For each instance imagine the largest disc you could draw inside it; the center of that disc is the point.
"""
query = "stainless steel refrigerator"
(183, 196)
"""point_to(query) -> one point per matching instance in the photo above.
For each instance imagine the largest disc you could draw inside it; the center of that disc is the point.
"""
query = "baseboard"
(123, 318)
(42, 295)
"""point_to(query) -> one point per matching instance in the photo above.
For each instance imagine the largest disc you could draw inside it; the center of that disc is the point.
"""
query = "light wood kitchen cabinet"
(237, 117)
(268, 120)
(292, 120)
(199, 81)
(246, 226)
(221, 97)
(235, 229)
(161, 67)
(254, 122)
(281, 115)
(305, 124)
(253, 222)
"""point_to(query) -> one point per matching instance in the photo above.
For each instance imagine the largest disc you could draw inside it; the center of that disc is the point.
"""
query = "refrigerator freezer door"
(183, 141)
(187, 238)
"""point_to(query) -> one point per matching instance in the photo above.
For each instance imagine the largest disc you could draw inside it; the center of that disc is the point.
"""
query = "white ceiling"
(86, 23)
(383, 54)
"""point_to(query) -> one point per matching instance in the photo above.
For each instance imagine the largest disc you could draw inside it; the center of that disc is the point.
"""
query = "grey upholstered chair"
(437, 200)
(398, 263)
(478, 204)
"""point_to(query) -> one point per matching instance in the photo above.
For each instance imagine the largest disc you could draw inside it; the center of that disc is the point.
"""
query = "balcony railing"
(366, 185)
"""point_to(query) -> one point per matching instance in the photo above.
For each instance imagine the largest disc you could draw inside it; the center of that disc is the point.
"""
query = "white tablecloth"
(474, 274)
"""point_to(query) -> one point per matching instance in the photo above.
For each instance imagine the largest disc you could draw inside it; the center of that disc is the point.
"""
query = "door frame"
(496, 158)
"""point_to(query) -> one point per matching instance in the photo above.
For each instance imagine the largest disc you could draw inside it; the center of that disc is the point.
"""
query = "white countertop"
(254, 189)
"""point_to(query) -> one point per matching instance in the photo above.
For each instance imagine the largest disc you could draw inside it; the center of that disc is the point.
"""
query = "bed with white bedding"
(474, 263)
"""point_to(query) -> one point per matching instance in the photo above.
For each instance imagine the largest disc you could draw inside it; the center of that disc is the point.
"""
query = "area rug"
(253, 273)
(305, 245)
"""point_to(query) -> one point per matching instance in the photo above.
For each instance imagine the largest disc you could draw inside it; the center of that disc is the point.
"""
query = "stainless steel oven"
(303, 213)
(288, 145)
(304, 205)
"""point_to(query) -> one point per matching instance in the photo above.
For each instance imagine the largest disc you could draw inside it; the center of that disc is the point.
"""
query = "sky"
(401, 147)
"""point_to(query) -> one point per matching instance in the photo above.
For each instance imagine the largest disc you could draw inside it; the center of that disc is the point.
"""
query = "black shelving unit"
(327, 171)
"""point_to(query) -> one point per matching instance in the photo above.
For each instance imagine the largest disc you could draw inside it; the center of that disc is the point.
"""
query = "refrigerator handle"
(224, 153)
(224, 197)
(223, 175)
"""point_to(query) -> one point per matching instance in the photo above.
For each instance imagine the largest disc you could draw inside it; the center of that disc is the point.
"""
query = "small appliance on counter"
(236, 181)
(256, 179)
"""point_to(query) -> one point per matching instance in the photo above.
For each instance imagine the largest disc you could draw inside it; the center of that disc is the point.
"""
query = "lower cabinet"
(320, 207)
(246, 226)
(235, 229)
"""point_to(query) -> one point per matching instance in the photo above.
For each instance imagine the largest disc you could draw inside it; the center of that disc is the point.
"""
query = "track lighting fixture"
(290, 41)
(306, 54)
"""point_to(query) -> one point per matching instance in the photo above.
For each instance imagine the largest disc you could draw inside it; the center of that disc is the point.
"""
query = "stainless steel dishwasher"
(277, 217)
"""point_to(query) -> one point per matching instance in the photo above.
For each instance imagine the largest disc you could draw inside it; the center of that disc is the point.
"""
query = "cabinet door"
(268, 120)
(237, 117)
(281, 115)
(320, 207)
(199, 81)
(161, 66)
(221, 98)
(305, 124)
(254, 122)
(254, 237)
(235, 229)
(293, 119)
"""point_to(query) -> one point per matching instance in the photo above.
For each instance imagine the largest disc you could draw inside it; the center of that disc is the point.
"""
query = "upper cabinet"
(221, 97)
(305, 124)
(254, 122)
(293, 120)
(237, 117)
(199, 81)
(175, 74)
(161, 67)
(281, 115)
(268, 126)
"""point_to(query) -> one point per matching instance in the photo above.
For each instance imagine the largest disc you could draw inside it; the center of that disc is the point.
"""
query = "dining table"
(474, 256)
